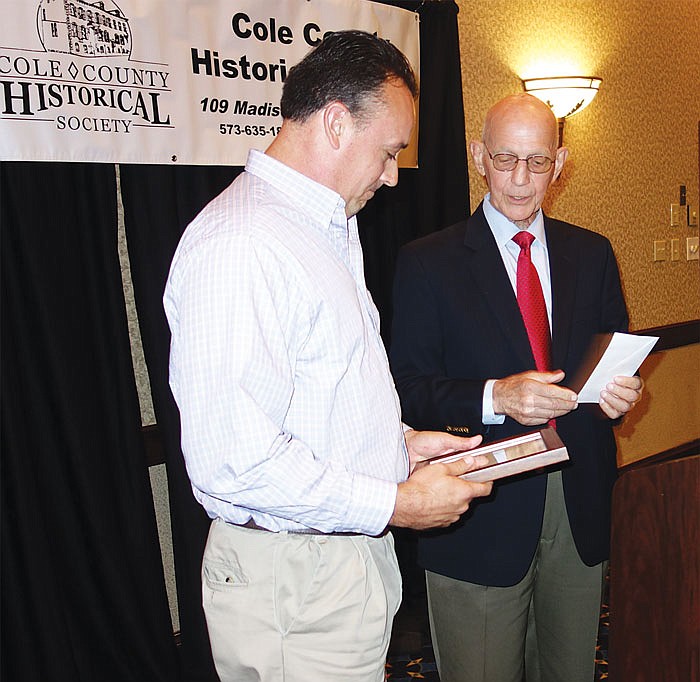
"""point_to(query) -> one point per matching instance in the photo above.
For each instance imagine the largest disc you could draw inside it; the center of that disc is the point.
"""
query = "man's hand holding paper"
(607, 376)
(620, 396)
(533, 398)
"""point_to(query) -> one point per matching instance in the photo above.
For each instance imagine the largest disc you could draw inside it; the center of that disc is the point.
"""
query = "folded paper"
(610, 355)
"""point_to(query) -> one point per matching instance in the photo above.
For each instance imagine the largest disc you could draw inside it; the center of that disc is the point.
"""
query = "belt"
(251, 525)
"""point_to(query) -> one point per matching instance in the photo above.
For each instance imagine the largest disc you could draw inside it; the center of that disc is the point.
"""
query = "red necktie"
(532, 306)
(531, 303)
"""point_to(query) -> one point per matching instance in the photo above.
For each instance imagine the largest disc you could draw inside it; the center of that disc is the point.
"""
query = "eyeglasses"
(536, 163)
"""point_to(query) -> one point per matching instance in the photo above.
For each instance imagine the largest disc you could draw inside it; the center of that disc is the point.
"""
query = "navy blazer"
(456, 324)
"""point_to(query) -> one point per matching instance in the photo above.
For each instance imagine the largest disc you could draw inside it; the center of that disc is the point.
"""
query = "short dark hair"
(347, 66)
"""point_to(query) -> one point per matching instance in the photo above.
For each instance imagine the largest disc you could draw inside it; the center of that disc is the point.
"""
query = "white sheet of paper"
(623, 357)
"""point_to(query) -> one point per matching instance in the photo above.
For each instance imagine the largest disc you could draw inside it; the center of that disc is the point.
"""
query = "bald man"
(526, 564)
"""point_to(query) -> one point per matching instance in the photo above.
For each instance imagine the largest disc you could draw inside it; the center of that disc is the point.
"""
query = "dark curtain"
(159, 202)
(83, 595)
(437, 193)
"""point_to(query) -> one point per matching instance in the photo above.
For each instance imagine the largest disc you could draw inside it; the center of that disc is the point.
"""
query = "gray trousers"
(546, 626)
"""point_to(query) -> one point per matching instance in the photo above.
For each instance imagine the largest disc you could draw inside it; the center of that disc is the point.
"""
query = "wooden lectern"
(654, 631)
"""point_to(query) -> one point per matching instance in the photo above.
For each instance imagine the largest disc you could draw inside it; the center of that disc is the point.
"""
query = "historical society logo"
(83, 28)
(81, 75)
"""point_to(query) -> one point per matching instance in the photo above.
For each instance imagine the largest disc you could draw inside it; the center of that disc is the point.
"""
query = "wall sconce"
(565, 95)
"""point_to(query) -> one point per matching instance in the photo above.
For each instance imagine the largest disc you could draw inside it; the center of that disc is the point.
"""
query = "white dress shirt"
(288, 409)
(503, 231)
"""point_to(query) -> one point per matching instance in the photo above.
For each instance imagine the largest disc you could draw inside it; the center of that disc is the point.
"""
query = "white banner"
(162, 82)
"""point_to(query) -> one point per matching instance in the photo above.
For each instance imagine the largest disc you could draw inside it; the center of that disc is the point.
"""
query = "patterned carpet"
(420, 664)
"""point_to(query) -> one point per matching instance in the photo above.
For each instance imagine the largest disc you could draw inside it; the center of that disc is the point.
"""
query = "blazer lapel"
(491, 278)
(563, 272)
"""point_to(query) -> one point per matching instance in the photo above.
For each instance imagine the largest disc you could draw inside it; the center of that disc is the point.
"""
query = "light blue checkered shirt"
(288, 409)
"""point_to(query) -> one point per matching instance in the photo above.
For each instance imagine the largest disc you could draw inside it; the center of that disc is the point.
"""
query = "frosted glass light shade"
(566, 95)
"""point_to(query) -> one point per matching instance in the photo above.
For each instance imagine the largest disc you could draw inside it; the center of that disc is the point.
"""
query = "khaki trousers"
(546, 626)
(284, 607)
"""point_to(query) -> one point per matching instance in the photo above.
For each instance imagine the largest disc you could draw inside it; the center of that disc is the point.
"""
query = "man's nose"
(390, 176)
(520, 174)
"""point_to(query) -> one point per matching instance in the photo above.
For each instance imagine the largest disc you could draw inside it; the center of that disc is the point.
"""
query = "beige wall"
(669, 413)
(630, 150)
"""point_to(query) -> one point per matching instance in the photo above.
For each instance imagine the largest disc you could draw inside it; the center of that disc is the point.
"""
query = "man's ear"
(336, 118)
(559, 161)
(477, 151)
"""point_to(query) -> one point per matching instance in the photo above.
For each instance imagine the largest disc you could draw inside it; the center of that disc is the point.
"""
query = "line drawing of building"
(88, 29)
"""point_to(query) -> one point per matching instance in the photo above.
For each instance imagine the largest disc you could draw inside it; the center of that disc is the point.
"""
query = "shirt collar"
(319, 202)
(504, 230)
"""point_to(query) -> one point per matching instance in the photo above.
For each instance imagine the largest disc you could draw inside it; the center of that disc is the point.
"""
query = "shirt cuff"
(487, 414)
(372, 505)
